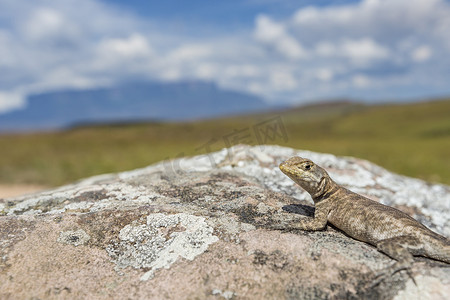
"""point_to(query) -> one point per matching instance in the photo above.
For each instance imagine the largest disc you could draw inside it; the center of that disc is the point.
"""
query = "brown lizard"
(390, 230)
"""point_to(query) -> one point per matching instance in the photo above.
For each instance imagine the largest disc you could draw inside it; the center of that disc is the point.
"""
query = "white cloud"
(282, 81)
(421, 54)
(171, 74)
(324, 74)
(360, 51)
(363, 50)
(275, 35)
(135, 45)
(44, 23)
(244, 70)
(11, 100)
(360, 81)
(190, 52)
(370, 49)
(380, 18)
(361, 45)
(206, 71)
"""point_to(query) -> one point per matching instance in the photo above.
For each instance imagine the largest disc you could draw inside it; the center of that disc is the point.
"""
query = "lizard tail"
(438, 248)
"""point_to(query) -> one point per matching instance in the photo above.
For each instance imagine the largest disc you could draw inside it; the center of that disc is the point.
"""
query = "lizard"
(390, 230)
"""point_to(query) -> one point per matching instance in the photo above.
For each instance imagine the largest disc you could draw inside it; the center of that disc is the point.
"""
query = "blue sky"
(219, 14)
(284, 51)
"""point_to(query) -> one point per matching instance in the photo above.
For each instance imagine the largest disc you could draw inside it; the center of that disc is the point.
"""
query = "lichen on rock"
(161, 241)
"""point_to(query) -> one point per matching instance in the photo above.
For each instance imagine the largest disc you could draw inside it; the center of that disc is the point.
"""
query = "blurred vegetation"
(411, 139)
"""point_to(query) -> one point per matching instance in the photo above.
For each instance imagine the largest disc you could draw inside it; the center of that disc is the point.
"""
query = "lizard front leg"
(319, 222)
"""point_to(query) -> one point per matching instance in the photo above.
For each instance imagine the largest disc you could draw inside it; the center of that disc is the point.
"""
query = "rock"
(194, 228)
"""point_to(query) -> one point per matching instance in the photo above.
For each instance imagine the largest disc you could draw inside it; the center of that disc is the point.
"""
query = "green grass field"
(411, 139)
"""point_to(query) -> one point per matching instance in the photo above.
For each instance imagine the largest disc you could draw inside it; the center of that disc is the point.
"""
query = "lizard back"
(369, 225)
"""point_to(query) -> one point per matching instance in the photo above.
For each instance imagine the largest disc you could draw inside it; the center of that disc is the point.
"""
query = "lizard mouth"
(287, 170)
(284, 168)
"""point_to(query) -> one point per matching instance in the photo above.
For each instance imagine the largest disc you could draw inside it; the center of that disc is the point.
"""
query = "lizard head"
(304, 172)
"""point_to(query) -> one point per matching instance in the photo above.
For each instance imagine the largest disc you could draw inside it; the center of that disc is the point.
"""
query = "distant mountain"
(131, 102)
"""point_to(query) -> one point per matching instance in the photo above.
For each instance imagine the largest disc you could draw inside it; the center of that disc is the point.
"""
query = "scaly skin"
(390, 230)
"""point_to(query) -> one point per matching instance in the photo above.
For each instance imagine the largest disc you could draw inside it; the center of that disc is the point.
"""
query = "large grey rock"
(195, 228)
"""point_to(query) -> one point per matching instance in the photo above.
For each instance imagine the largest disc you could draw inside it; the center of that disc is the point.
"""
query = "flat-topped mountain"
(136, 101)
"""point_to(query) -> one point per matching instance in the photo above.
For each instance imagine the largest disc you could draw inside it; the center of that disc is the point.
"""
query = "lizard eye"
(307, 167)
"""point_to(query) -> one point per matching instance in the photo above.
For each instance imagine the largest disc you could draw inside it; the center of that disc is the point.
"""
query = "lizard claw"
(380, 277)
(411, 276)
(396, 267)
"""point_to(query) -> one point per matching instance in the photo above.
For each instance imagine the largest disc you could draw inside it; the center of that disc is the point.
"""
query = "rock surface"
(194, 228)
